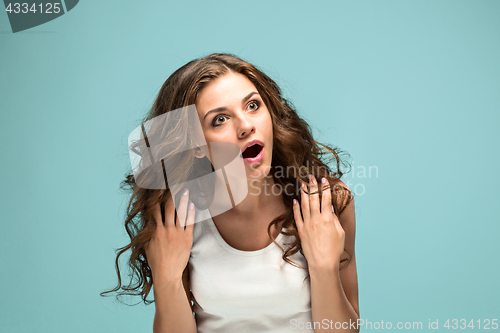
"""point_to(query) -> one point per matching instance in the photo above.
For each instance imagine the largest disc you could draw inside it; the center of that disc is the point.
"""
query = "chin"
(257, 172)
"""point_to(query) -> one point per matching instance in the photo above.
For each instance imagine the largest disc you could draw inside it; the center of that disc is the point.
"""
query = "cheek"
(269, 127)
(266, 119)
(225, 136)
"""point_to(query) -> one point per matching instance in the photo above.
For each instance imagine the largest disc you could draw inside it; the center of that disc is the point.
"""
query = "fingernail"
(191, 205)
(294, 201)
(185, 192)
(332, 210)
(323, 180)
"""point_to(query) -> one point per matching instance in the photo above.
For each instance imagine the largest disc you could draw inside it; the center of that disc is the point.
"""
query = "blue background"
(410, 88)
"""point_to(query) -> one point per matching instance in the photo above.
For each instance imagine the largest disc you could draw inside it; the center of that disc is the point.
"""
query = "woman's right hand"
(169, 249)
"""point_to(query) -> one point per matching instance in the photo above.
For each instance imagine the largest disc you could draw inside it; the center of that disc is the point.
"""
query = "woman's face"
(231, 110)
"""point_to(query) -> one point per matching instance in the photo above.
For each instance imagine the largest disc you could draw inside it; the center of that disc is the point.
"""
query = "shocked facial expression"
(231, 110)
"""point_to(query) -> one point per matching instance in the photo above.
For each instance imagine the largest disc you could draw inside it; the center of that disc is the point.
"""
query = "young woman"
(280, 260)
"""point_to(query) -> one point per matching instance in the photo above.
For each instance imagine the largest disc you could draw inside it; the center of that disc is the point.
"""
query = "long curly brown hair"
(295, 155)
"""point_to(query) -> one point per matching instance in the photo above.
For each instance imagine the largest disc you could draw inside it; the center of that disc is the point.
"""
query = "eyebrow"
(223, 108)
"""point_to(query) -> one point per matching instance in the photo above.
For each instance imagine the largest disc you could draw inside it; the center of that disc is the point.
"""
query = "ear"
(198, 153)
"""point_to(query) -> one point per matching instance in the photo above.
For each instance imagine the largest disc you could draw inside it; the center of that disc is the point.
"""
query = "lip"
(252, 143)
(257, 158)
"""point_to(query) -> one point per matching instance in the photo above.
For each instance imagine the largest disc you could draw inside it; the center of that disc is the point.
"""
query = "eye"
(215, 122)
(256, 105)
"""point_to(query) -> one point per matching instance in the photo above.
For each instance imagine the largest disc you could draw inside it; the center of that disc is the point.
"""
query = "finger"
(181, 211)
(190, 217)
(326, 197)
(157, 215)
(298, 216)
(304, 202)
(170, 212)
(336, 220)
(314, 196)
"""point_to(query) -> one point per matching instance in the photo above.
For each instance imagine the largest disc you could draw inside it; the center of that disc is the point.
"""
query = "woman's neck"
(260, 203)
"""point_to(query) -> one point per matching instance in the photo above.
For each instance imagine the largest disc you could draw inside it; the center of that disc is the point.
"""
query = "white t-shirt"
(247, 291)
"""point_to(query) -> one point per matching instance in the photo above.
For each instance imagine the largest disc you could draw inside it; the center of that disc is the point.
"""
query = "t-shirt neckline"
(221, 240)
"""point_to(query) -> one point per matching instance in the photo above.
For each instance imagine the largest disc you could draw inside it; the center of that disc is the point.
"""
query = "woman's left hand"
(322, 236)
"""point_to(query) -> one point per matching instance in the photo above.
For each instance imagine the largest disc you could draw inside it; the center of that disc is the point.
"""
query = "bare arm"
(168, 254)
(334, 292)
(173, 306)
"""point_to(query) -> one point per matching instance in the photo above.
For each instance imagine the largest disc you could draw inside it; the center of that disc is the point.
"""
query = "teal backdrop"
(410, 89)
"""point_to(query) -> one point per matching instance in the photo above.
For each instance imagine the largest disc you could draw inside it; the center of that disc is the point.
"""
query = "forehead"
(224, 91)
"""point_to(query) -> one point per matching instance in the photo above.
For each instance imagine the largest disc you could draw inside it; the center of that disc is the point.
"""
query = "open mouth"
(252, 151)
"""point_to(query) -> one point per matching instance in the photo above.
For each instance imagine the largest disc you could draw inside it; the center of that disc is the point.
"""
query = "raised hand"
(168, 250)
(322, 237)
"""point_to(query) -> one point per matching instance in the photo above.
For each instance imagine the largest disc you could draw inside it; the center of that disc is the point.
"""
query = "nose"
(245, 126)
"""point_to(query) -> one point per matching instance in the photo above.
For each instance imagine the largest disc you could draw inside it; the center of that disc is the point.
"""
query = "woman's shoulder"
(338, 182)
(341, 195)
(339, 187)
